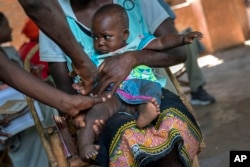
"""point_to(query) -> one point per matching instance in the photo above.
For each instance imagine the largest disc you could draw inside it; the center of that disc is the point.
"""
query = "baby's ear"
(125, 34)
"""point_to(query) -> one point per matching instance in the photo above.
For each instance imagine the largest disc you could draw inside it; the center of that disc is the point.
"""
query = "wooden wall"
(223, 23)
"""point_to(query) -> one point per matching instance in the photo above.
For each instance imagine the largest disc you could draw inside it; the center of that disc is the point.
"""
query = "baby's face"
(5, 31)
(108, 35)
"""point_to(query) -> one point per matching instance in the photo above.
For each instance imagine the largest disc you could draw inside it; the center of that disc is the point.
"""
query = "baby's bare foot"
(89, 151)
(147, 113)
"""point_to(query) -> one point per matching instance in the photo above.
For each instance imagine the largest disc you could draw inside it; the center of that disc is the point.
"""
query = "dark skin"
(113, 70)
(25, 82)
(122, 64)
(37, 10)
(167, 27)
(19, 79)
(109, 34)
(84, 11)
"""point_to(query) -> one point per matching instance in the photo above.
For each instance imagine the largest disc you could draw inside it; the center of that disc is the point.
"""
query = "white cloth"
(153, 13)
(26, 148)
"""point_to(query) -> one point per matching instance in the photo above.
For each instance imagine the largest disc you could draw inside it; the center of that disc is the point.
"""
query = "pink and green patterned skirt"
(125, 145)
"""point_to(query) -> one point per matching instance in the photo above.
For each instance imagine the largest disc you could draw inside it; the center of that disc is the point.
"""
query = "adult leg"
(196, 78)
(195, 75)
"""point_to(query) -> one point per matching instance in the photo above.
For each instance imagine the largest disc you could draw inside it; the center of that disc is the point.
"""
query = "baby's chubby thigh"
(103, 111)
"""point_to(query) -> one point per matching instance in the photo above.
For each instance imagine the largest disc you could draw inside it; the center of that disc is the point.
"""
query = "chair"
(51, 139)
(178, 71)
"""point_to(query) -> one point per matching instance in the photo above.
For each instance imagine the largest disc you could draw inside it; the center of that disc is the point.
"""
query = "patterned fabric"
(176, 122)
(138, 91)
(128, 146)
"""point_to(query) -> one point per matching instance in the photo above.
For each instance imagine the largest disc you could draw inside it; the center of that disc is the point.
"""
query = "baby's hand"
(190, 36)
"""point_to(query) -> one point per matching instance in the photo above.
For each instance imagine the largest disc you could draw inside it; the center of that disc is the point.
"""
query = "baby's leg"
(101, 111)
(147, 113)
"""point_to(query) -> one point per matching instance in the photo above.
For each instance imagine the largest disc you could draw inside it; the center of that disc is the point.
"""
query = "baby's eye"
(107, 36)
(95, 38)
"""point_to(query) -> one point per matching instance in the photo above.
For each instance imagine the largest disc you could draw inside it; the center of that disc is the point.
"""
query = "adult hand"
(190, 36)
(76, 103)
(88, 74)
(81, 104)
(78, 121)
(98, 126)
(113, 71)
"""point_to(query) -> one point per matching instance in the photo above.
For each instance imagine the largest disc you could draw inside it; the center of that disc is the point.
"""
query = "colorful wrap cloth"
(124, 145)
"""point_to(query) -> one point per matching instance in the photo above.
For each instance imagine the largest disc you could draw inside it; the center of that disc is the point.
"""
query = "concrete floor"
(226, 123)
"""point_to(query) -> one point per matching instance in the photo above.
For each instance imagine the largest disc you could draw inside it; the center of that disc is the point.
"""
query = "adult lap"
(123, 144)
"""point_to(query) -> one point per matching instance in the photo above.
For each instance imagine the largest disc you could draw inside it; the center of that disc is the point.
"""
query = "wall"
(223, 23)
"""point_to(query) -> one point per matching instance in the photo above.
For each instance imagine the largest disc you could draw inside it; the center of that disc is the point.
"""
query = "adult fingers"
(98, 99)
(102, 84)
(98, 127)
(114, 88)
(78, 121)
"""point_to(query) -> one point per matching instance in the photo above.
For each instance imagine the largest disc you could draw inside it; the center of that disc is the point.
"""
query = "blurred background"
(224, 23)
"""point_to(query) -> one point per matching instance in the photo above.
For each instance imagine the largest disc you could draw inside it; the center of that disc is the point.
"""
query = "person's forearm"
(171, 41)
(49, 17)
(156, 58)
(23, 81)
(165, 42)
(60, 75)
(167, 27)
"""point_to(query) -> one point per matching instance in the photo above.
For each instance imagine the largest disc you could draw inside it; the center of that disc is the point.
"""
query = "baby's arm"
(173, 40)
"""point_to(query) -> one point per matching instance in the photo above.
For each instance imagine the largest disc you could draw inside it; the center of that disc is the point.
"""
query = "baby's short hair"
(113, 10)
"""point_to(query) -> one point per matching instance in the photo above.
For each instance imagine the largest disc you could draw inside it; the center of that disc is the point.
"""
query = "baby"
(140, 92)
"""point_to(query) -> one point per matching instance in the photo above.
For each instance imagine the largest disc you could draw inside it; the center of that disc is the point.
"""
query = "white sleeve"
(153, 13)
(49, 51)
